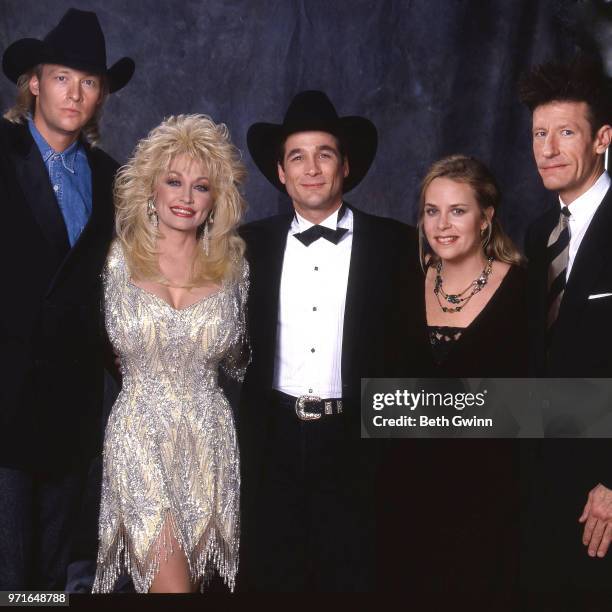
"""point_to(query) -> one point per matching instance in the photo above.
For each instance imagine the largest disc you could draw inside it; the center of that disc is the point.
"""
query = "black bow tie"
(315, 232)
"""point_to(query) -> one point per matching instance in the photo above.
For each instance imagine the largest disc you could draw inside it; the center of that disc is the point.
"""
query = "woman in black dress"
(462, 500)
(475, 285)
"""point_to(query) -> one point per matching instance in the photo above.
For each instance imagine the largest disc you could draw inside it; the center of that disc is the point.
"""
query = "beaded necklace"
(460, 299)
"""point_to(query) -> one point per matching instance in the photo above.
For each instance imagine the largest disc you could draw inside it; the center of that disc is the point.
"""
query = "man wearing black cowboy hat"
(56, 199)
(322, 281)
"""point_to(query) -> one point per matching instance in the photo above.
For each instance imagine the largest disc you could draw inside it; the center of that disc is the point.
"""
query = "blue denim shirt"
(70, 177)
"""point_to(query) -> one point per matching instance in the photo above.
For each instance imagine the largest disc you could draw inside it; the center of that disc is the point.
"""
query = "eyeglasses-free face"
(453, 220)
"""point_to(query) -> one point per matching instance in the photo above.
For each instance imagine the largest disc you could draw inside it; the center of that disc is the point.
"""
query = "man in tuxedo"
(57, 210)
(570, 280)
(322, 285)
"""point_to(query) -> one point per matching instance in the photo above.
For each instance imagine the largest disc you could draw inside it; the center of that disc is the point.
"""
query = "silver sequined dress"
(170, 452)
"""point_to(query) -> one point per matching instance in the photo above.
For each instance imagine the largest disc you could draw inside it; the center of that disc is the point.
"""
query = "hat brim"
(26, 53)
(120, 73)
(358, 135)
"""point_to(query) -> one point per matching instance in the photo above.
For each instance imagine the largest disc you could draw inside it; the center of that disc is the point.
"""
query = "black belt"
(311, 407)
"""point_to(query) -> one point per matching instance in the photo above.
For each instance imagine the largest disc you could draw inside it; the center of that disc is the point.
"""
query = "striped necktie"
(558, 256)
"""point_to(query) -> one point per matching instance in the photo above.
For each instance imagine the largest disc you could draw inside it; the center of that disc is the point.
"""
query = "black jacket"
(383, 264)
(50, 330)
(580, 345)
(557, 474)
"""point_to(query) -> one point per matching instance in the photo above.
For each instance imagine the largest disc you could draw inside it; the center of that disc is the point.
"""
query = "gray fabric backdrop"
(436, 77)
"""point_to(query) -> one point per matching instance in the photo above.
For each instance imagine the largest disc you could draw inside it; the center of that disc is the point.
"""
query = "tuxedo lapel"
(272, 260)
(538, 271)
(356, 292)
(34, 181)
(590, 259)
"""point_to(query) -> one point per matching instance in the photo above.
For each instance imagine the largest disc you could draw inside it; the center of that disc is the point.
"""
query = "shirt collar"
(300, 224)
(68, 157)
(584, 206)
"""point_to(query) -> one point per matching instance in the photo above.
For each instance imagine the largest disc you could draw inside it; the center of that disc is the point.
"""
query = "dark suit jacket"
(50, 325)
(382, 261)
(557, 474)
(582, 338)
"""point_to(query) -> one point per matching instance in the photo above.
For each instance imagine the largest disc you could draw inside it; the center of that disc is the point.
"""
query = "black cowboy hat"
(76, 42)
(313, 111)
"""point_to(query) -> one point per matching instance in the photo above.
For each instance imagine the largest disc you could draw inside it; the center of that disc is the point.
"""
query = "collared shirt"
(583, 208)
(308, 359)
(70, 177)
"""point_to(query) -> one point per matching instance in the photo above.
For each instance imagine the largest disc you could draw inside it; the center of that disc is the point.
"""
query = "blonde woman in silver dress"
(175, 285)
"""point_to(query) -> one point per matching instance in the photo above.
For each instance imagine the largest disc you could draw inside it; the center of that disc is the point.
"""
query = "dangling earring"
(206, 237)
(152, 213)
(485, 239)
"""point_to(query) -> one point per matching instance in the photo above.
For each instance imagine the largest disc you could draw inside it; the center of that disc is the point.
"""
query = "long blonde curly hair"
(204, 142)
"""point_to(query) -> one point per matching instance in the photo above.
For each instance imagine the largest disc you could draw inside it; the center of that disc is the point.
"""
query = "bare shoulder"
(500, 269)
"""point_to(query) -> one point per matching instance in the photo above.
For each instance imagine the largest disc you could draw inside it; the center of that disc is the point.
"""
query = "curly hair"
(464, 169)
(208, 144)
(25, 103)
(581, 80)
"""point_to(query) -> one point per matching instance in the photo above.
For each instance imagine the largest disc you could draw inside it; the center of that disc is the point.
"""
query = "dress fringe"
(212, 554)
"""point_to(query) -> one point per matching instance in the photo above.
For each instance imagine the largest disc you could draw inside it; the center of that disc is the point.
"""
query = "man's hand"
(597, 516)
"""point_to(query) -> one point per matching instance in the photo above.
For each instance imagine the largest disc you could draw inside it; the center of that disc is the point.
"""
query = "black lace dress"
(442, 339)
(495, 344)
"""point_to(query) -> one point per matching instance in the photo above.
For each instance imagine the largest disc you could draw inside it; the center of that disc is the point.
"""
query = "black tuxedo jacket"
(580, 346)
(50, 331)
(383, 263)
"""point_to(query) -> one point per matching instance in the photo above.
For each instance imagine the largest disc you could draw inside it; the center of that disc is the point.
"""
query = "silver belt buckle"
(300, 403)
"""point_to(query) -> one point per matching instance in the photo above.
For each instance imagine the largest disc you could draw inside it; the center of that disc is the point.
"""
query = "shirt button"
(314, 308)
(56, 157)
(55, 187)
(312, 350)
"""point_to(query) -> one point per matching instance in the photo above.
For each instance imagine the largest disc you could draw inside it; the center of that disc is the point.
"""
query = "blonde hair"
(463, 169)
(204, 142)
(25, 104)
